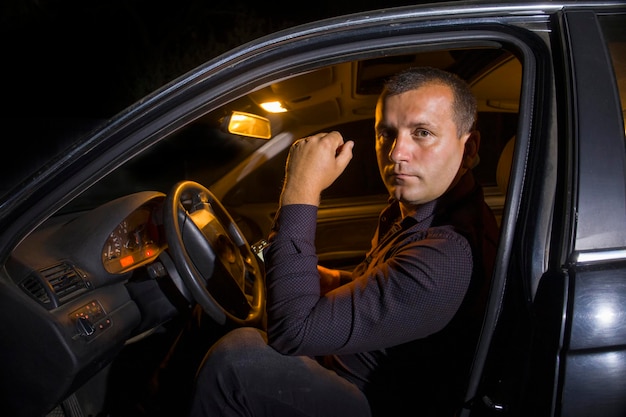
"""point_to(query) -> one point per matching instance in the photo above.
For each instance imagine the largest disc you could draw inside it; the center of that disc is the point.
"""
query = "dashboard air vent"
(64, 280)
(35, 287)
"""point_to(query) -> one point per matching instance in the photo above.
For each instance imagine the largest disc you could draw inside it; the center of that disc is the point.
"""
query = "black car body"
(90, 270)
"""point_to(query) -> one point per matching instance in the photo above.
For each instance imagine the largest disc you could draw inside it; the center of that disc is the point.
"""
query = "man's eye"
(421, 133)
(385, 135)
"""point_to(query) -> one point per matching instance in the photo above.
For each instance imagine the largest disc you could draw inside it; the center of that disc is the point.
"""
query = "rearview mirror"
(250, 125)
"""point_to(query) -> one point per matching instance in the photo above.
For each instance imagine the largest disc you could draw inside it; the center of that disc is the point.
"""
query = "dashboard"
(70, 285)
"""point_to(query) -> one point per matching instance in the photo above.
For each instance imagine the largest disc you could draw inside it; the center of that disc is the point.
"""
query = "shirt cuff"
(296, 221)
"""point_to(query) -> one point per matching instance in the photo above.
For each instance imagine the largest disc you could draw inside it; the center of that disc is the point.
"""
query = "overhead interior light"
(273, 107)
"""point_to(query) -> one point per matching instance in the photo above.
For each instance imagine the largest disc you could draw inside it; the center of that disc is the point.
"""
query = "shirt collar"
(463, 187)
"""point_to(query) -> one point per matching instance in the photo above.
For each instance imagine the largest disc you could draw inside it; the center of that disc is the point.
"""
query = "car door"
(591, 356)
(558, 347)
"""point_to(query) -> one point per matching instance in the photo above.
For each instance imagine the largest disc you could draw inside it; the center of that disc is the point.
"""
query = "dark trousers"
(243, 376)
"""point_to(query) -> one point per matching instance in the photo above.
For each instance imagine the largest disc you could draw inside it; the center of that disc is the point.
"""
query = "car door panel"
(593, 358)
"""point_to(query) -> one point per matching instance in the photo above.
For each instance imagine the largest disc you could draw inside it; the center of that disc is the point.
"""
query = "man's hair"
(464, 104)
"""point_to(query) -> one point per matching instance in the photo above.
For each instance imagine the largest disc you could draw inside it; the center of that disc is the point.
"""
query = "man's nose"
(400, 149)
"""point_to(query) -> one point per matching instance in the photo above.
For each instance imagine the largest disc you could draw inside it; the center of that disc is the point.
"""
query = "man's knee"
(240, 339)
(235, 350)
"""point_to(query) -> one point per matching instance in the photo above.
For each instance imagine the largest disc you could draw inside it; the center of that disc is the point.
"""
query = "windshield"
(200, 152)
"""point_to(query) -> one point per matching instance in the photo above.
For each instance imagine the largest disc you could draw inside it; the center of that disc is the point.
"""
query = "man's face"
(418, 148)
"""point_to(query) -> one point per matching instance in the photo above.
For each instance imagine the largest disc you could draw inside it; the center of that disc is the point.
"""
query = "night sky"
(91, 59)
(68, 65)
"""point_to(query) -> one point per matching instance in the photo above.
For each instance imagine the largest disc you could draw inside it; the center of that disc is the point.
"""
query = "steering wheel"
(212, 256)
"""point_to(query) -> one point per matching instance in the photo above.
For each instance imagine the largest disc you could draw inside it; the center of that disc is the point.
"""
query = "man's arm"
(314, 163)
(411, 295)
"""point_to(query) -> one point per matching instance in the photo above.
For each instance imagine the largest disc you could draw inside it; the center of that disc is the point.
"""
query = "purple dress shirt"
(405, 326)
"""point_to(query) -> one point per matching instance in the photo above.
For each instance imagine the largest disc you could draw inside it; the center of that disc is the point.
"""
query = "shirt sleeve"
(409, 294)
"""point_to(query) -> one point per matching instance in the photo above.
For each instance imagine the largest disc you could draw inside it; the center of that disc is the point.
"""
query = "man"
(396, 336)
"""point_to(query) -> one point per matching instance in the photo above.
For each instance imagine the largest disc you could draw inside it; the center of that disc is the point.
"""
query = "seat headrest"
(503, 170)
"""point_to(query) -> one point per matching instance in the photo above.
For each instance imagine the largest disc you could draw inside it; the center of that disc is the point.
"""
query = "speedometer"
(132, 243)
(116, 241)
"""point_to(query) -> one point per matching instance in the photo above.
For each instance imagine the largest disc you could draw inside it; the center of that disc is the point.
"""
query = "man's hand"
(314, 163)
(329, 279)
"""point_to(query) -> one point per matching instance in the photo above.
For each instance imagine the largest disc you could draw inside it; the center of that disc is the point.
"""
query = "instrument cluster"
(134, 242)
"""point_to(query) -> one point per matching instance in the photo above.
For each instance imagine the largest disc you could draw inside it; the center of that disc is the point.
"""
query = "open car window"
(246, 171)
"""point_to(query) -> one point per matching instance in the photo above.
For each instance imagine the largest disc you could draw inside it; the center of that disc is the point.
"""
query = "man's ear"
(470, 156)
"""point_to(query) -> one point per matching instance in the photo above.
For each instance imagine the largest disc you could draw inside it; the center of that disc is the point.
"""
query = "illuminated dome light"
(273, 107)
